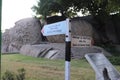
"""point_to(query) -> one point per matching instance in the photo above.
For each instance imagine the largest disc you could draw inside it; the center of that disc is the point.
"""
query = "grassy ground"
(45, 69)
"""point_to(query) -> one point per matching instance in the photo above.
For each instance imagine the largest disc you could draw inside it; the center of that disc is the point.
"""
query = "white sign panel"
(81, 41)
(55, 28)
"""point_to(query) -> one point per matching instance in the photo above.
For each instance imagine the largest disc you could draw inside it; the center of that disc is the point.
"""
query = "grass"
(45, 69)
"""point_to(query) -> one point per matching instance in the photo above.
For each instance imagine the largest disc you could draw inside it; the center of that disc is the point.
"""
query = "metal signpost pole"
(63, 27)
(67, 50)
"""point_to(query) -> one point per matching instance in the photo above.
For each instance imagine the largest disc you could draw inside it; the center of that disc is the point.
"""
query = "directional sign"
(55, 28)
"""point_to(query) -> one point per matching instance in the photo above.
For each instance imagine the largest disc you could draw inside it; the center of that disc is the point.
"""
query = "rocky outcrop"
(25, 31)
(25, 37)
(49, 50)
(57, 51)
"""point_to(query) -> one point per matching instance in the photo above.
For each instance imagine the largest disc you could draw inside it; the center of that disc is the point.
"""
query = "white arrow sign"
(55, 28)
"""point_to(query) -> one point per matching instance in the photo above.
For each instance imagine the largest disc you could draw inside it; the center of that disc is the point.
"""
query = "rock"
(6, 40)
(49, 50)
(25, 31)
(31, 50)
(81, 27)
(78, 26)
(80, 52)
(14, 47)
(57, 51)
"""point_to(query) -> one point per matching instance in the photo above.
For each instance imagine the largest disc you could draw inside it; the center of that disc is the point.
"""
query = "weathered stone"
(57, 51)
(81, 27)
(25, 31)
(80, 52)
(51, 54)
(49, 50)
(31, 50)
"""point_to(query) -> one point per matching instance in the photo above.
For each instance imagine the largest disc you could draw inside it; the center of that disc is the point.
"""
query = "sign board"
(81, 41)
(55, 28)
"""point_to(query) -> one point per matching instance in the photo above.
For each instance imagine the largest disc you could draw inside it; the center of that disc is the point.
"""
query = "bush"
(8, 76)
(115, 60)
(12, 76)
(111, 49)
(21, 74)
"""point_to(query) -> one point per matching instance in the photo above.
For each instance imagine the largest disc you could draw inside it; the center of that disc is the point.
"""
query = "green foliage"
(68, 7)
(21, 74)
(115, 60)
(113, 6)
(8, 76)
(46, 7)
(12, 76)
(111, 49)
(46, 69)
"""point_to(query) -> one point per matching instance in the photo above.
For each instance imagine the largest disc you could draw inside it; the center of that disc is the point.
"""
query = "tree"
(46, 7)
(67, 7)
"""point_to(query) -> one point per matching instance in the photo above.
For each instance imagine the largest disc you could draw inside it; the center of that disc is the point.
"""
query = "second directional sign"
(54, 29)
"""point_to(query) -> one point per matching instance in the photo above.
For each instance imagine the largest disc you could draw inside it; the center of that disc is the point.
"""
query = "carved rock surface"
(49, 50)
(25, 31)
(57, 51)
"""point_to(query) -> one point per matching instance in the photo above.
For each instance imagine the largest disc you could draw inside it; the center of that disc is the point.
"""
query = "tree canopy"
(70, 8)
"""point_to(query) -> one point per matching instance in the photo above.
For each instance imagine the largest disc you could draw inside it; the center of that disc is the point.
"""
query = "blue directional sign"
(55, 28)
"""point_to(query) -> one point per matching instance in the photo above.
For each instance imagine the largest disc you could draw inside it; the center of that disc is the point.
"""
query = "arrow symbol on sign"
(42, 30)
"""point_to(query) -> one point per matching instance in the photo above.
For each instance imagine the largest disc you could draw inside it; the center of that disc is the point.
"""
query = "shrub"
(8, 76)
(111, 49)
(12, 76)
(115, 60)
(21, 74)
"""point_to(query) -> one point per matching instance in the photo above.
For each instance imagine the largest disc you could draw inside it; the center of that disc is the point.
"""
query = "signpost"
(68, 50)
(63, 27)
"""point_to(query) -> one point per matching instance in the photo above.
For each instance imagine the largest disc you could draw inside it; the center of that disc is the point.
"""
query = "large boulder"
(25, 31)
(57, 51)
(49, 50)
(78, 27)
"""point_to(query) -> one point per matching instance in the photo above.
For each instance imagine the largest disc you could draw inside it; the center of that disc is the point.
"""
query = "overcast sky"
(14, 10)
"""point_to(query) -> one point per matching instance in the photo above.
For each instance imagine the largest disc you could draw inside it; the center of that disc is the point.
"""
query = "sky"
(14, 10)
